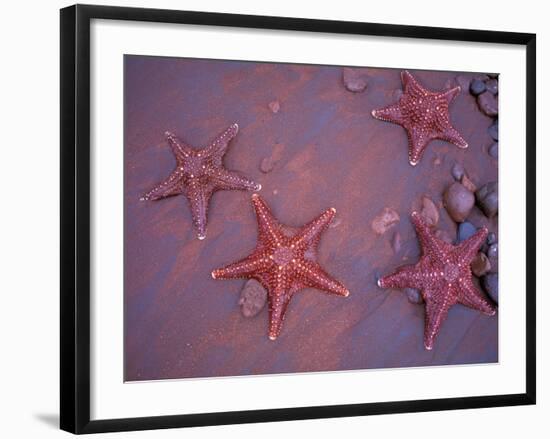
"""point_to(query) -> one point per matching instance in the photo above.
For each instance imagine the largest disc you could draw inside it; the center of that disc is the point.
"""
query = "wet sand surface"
(179, 322)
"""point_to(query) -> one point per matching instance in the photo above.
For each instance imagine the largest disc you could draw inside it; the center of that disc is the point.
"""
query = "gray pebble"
(490, 284)
(465, 230)
(493, 150)
(458, 201)
(493, 131)
(477, 86)
(493, 250)
(491, 238)
(488, 103)
(487, 198)
(492, 254)
(492, 86)
(457, 171)
(253, 298)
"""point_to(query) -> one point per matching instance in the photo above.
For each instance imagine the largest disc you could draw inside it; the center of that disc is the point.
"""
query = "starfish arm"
(315, 277)
(431, 246)
(451, 94)
(198, 198)
(451, 135)
(278, 303)
(252, 265)
(468, 249)
(179, 148)
(471, 297)
(391, 113)
(410, 86)
(227, 180)
(418, 141)
(437, 308)
(169, 187)
(219, 146)
(407, 276)
(268, 227)
(310, 234)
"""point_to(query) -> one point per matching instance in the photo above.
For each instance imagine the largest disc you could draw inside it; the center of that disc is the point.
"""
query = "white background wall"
(29, 249)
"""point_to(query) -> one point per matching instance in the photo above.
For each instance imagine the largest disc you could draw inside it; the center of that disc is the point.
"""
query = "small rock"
(384, 221)
(480, 265)
(429, 211)
(493, 150)
(396, 242)
(274, 106)
(458, 201)
(487, 199)
(444, 236)
(492, 85)
(414, 295)
(492, 254)
(468, 184)
(457, 171)
(490, 284)
(493, 250)
(253, 298)
(494, 265)
(491, 238)
(477, 86)
(355, 80)
(267, 164)
(493, 131)
(484, 247)
(465, 230)
(437, 161)
(488, 103)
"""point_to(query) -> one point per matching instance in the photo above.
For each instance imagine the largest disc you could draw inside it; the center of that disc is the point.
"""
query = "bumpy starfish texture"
(198, 174)
(443, 275)
(424, 115)
(284, 264)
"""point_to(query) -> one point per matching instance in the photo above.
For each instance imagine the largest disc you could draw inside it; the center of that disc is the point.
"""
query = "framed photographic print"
(269, 218)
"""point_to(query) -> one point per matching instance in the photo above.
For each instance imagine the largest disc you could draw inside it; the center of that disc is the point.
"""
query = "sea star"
(198, 174)
(443, 275)
(283, 264)
(424, 115)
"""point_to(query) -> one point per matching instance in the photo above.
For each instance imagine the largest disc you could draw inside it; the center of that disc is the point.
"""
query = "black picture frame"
(75, 217)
